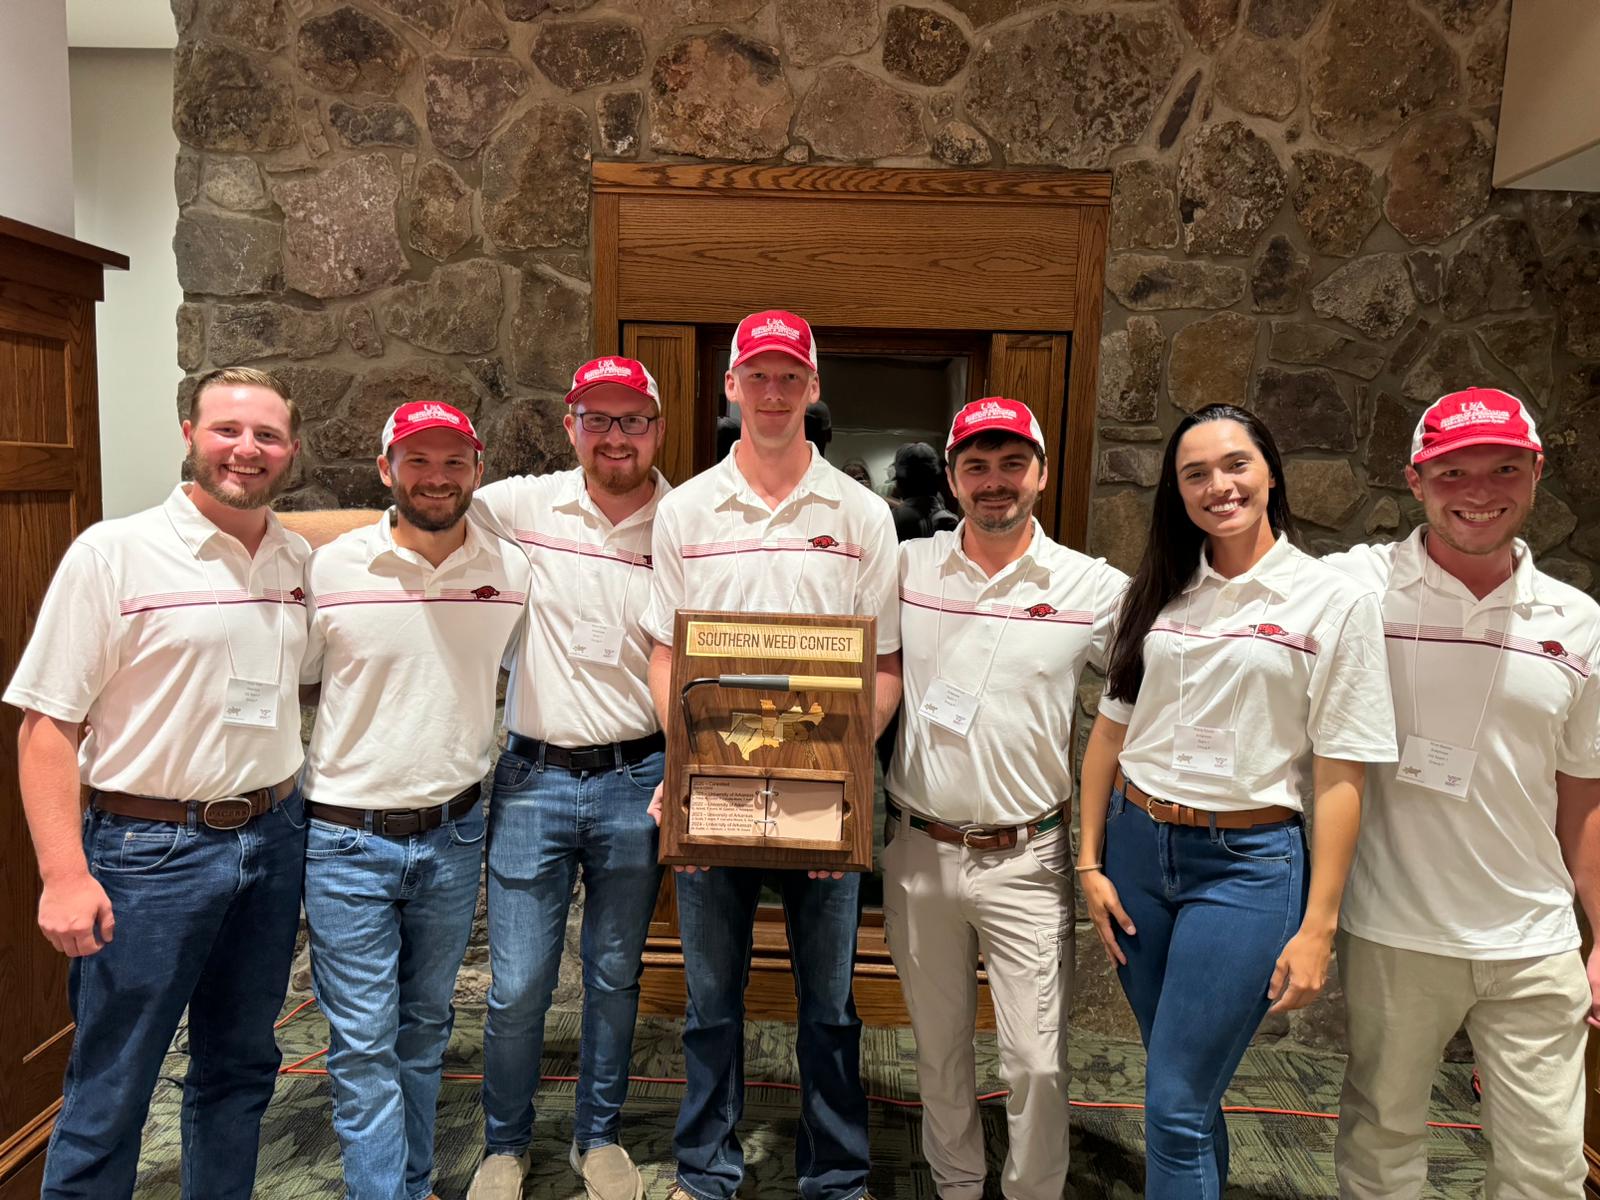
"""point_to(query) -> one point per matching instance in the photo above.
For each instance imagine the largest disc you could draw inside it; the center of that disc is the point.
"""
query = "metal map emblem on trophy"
(769, 741)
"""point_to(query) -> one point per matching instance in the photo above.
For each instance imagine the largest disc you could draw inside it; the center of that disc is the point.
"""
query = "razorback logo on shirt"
(1268, 630)
(824, 541)
(299, 595)
(1041, 610)
(486, 592)
(1553, 649)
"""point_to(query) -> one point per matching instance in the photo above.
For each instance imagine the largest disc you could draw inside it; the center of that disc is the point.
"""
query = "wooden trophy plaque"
(769, 741)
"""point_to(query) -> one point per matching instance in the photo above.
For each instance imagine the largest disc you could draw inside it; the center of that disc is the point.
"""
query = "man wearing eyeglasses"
(583, 755)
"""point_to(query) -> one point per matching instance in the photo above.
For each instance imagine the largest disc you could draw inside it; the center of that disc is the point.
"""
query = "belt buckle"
(968, 832)
(1167, 814)
(220, 813)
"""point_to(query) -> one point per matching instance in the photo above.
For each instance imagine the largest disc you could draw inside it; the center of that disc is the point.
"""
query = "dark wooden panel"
(1032, 368)
(1078, 449)
(862, 183)
(36, 528)
(669, 352)
(24, 465)
(24, 1183)
(34, 400)
(603, 296)
(891, 264)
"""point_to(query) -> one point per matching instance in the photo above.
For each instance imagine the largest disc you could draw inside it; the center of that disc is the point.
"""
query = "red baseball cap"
(773, 329)
(624, 372)
(1477, 416)
(994, 414)
(427, 414)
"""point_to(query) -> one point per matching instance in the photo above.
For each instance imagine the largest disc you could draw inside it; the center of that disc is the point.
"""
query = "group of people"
(1432, 702)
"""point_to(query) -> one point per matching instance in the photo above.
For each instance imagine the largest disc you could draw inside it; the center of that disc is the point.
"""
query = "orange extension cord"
(299, 1068)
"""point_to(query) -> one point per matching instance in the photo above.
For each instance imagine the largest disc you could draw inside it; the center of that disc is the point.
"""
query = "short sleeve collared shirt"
(1480, 877)
(146, 619)
(828, 548)
(1288, 655)
(584, 569)
(408, 655)
(1020, 640)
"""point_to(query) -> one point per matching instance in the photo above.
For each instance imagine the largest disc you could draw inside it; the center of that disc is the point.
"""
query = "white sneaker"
(499, 1177)
(607, 1173)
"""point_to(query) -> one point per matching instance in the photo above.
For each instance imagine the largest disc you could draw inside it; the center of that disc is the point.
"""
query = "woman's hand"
(1104, 908)
(1301, 971)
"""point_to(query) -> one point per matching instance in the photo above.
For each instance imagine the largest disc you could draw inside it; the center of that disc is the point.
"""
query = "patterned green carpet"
(1273, 1156)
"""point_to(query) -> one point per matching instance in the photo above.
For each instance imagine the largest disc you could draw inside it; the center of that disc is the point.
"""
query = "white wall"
(35, 139)
(123, 150)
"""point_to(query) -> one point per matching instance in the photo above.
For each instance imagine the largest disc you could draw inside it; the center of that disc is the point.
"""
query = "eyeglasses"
(633, 424)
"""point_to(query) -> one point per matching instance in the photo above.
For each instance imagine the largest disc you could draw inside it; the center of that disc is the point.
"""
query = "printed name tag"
(594, 641)
(1437, 766)
(949, 707)
(1203, 750)
(250, 703)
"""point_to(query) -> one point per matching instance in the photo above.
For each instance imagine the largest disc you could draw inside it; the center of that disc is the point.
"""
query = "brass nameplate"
(728, 639)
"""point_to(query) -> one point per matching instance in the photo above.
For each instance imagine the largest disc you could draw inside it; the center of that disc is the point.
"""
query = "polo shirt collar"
(1411, 562)
(1275, 571)
(195, 530)
(1027, 562)
(820, 480)
(573, 496)
(380, 541)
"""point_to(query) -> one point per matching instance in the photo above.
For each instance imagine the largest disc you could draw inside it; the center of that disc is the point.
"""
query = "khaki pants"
(942, 905)
(1526, 1020)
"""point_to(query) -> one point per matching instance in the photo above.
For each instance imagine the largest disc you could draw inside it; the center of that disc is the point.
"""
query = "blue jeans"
(716, 913)
(545, 823)
(1213, 909)
(389, 919)
(205, 918)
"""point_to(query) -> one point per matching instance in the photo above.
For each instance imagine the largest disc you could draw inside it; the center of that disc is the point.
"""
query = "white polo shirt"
(408, 655)
(1480, 877)
(1020, 641)
(829, 548)
(145, 621)
(1289, 655)
(584, 569)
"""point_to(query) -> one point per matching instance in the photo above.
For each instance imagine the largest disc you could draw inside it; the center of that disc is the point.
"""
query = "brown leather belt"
(227, 812)
(1169, 812)
(976, 837)
(397, 822)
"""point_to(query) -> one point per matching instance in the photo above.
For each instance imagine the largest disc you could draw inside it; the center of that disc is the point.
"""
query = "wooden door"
(49, 491)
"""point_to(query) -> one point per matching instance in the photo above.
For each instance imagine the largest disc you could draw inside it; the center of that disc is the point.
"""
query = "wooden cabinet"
(49, 491)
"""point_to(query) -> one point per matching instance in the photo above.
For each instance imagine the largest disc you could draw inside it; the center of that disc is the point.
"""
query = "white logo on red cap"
(992, 410)
(775, 327)
(433, 412)
(1473, 413)
(607, 368)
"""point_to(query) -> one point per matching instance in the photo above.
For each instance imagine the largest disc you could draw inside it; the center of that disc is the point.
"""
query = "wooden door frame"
(1017, 256)
(987, 251)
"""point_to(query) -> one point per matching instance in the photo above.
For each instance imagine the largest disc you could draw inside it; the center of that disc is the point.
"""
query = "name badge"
(594, 641)
(1203, 750)
(250, 703)
(949, 707)
(1437, 766)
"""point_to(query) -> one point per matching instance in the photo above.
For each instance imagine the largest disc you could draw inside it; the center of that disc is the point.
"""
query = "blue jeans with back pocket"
(1213, 909)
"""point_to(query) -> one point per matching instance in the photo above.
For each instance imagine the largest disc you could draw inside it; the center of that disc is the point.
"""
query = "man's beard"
(206, 478)
(615, 476)
(1003, 524)
(428, 521)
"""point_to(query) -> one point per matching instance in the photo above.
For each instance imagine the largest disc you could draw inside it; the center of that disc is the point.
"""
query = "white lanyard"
(946, 704)
(799, 575)
(1416, 649)
(216, 602)
(597, 641)
(938, 635)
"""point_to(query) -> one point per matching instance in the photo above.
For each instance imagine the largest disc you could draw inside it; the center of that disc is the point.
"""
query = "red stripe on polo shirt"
(160, 600)
(1548, 649)
(1030, 612)
(1303, 642)
(445, 596)
(529, 537)
(820, 544)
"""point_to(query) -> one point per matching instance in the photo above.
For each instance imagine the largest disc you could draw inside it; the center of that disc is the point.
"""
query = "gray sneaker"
(499, 1177)
(608, 1173)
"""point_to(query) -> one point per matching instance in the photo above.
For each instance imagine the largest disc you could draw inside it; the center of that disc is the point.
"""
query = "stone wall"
(385, 199)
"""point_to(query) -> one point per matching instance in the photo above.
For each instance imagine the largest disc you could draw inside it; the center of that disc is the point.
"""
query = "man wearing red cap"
(410, 618)
(997, 622)
(1460, 902)
(772, 528)
(170, 640)
(583, 755)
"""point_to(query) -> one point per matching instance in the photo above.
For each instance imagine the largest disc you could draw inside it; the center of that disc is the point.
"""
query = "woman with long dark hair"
(1245, 679)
